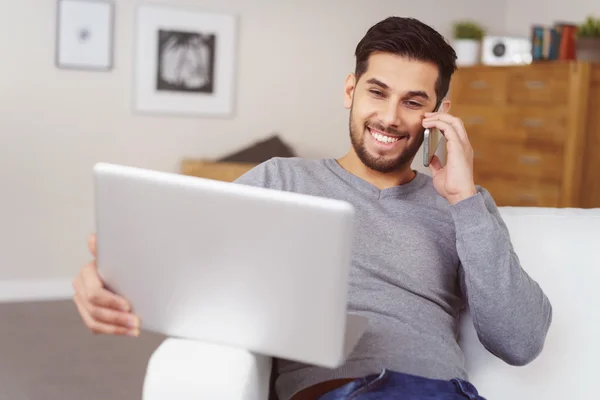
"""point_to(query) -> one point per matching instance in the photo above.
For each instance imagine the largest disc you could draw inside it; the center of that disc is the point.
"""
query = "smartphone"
(431, 141)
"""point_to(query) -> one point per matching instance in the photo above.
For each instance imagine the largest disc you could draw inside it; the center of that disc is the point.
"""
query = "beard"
(383, 164)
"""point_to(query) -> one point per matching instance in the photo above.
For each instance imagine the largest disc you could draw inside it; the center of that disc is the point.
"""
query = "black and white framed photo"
(84, 34)
(185, 62)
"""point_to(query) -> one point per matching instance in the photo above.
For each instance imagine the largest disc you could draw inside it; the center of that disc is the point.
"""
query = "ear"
(349, 87)
(445, 106)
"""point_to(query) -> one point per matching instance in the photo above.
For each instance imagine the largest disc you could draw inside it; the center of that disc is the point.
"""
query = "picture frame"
(185, 62)
(85, 34)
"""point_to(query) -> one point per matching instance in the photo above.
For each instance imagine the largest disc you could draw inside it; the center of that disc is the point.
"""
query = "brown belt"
(315, 391)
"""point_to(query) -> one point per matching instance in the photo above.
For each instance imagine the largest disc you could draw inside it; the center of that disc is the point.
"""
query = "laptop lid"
(249, 267)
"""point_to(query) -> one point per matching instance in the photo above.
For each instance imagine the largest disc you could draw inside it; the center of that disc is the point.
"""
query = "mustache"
(389, 130)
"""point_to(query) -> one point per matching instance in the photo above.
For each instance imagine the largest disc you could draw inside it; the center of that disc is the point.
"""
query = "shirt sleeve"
(511, 313)
(263, 175)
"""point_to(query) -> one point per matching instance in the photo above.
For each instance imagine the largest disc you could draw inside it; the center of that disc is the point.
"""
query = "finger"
(89, 277)
(95, 293)
(78, 285)
(456, 123)
(79, 281)
(100, 327)
(446, 128)
(435, 165)
(113, 317)
(100, 297)
(85, 316)
(92, 244)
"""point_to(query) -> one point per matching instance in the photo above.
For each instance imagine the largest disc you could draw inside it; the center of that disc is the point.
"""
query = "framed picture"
(185, 62)
(84, 34)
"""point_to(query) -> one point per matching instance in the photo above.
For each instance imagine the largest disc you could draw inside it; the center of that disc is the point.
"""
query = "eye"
(414, 104)
(376, 93)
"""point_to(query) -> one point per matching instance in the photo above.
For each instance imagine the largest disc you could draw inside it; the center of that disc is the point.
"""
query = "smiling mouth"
(384, 138)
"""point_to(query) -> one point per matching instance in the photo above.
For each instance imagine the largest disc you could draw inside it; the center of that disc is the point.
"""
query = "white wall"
(55, 124)
(521, 14)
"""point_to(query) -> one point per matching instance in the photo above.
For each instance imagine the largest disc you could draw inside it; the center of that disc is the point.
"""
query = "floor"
(46, 353)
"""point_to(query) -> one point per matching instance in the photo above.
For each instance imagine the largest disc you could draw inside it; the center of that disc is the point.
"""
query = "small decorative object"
(84, 34)
(467, 42)
(588, 40)
(184, 62)
(505, 50)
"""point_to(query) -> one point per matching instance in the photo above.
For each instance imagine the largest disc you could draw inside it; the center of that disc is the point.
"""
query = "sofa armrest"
(186, 369)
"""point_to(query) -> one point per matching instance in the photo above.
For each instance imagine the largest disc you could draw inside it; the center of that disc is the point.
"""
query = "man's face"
(387, 106)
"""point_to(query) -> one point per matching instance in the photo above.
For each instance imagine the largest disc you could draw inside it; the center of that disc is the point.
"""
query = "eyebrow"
(375, 81)
(417, 93)
(409, 94)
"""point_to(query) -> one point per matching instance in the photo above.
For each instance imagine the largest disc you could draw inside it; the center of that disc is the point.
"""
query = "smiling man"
(425, 246)
(382, 139)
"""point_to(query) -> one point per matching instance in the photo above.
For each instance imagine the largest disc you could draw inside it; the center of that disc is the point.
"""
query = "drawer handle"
(535, 84)
(475, 120)
(479, 85)
(530, 160)
(533, 122)
(527, 197)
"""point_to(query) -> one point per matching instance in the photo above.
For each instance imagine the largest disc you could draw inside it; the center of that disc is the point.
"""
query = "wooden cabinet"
(535, 131)
(220, 171)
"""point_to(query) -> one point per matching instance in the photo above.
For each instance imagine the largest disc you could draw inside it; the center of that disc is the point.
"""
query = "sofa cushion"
(188, 370)
(560, 249)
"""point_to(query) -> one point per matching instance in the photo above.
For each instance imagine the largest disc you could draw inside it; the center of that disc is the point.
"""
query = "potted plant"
(588, 40)
(467, 42)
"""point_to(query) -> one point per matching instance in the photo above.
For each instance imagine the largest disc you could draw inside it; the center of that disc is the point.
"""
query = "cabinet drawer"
(481, 121)
(595, 74)
(525, 124)
(537, 124)
(478, 86)
(513, 159)
(520, 193)
(538, 84)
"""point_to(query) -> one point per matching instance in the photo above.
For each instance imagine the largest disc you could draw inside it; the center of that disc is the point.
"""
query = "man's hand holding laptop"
(101, 310)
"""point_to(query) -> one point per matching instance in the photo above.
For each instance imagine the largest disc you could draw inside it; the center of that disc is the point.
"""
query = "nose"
(391, 114)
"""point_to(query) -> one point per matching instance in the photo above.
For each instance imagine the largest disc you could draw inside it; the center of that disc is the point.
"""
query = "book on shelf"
(550, 43)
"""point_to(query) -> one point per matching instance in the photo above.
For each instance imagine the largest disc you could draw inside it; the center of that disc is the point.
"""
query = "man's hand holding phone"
(454, 181)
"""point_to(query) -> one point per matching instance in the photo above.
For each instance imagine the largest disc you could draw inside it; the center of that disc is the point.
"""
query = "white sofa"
(560, 248)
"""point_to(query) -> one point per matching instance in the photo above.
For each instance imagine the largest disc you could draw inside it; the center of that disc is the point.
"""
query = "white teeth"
(384, 139)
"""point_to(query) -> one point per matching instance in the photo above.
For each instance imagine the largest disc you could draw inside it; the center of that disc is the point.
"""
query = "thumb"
(92, 244)
(435, 165)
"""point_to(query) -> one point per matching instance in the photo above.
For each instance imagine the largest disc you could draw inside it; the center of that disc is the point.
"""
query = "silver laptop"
(221, 262)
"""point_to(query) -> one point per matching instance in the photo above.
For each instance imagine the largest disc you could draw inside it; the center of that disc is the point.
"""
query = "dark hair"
(411, 38)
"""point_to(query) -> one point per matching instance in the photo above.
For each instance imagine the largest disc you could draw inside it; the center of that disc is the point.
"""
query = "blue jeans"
(389, 385)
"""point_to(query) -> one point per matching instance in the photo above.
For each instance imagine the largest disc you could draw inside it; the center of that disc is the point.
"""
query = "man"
(425, 246)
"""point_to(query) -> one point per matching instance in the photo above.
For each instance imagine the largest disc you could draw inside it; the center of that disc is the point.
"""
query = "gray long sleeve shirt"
(417, 262)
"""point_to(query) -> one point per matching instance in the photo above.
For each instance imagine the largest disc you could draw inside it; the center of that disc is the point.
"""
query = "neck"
(381, 180)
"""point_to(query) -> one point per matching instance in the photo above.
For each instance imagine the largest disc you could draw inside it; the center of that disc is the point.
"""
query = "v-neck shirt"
(415, 261)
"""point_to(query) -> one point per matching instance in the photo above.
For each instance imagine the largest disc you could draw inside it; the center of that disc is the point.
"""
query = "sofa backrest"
(560, 249)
